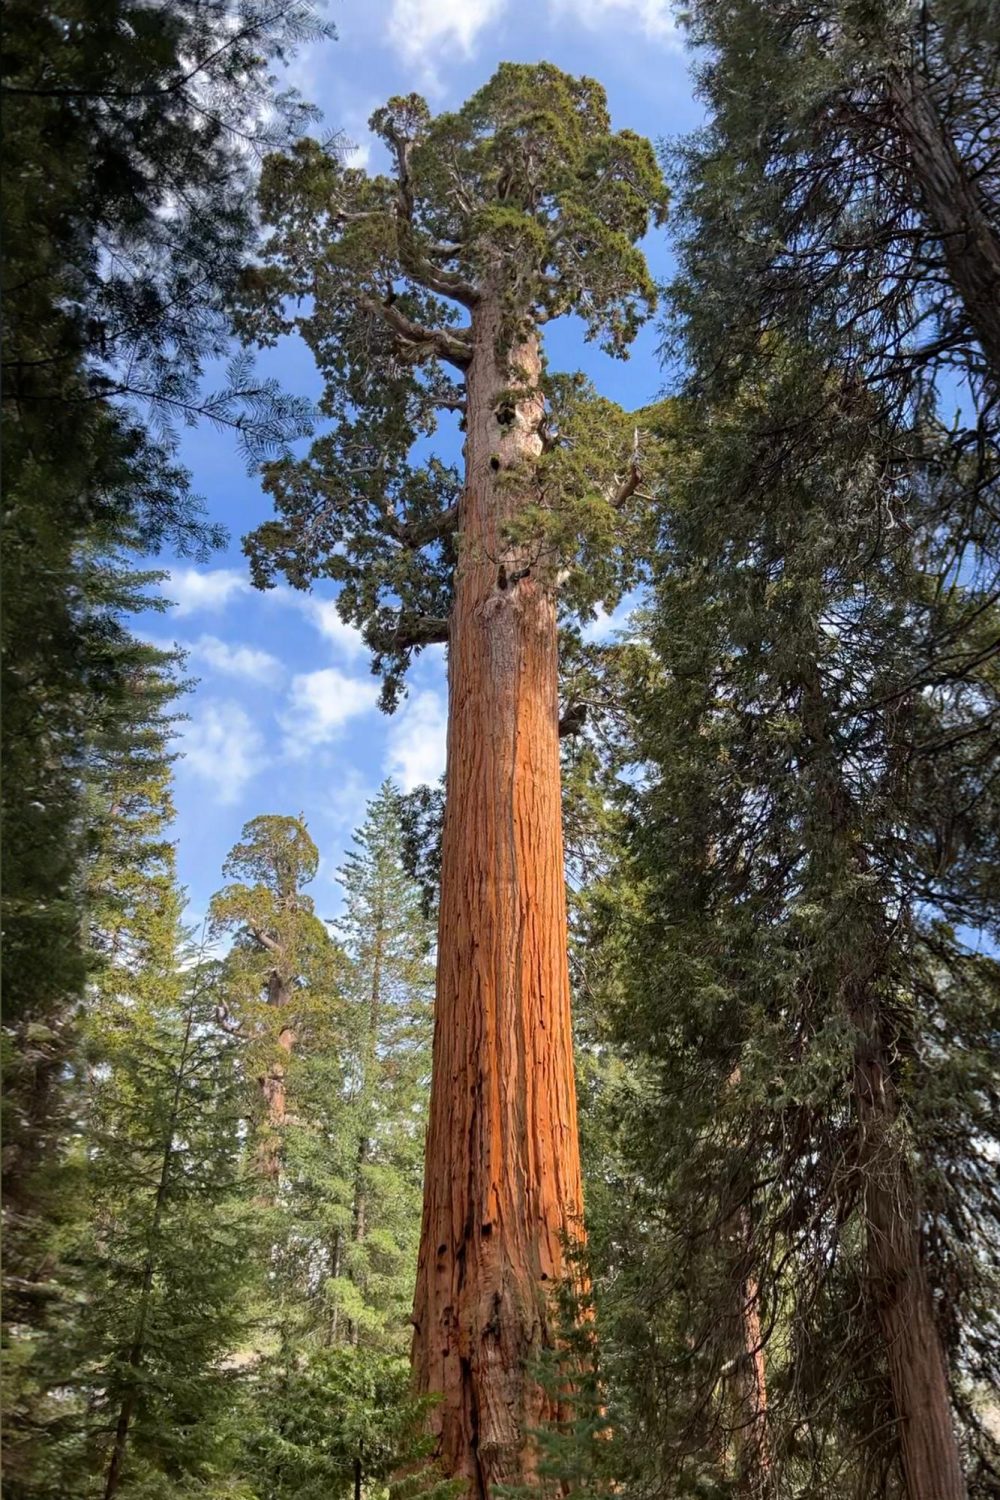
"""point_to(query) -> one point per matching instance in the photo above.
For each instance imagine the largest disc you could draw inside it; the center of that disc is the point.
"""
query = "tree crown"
(522, 203)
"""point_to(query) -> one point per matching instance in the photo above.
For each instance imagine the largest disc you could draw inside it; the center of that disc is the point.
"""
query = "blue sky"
(283, 718)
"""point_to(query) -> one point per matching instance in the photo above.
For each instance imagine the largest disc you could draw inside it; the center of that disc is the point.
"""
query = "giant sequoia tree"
(280, 976)
(425, 290)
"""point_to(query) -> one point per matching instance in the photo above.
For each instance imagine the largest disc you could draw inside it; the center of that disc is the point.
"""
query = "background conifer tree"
(280, 976)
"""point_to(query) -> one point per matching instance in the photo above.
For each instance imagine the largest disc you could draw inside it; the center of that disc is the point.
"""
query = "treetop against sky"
(284, 715)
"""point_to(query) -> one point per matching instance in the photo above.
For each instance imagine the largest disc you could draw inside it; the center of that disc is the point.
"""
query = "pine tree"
(138, 1249)
(388, 941)
(829, 570)
(518, 208)
(129, 131)
(333, 1406)
(171, 1247)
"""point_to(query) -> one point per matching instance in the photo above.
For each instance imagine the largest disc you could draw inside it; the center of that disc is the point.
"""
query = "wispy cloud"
(344, 803)
(322, 613)
(604, 627)
(224, 748)
(230, 659)
(321, 703)
(654, 18)
(422, 31)
(203, 590)
(417, 741)
(322, 616)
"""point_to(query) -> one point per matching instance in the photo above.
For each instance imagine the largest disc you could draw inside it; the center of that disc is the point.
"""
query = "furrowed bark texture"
(918, 1371)
(273, 1090)
(753, 1447)
(502, 1185)
(915, 1352)
(955, 212)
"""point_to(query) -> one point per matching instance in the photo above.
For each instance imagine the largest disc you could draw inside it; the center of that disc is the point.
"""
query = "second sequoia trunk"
(503, 1189)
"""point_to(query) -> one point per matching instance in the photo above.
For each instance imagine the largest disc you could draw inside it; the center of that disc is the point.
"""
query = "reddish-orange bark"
(273, 1090)
(753, 1446)
(502, 1187)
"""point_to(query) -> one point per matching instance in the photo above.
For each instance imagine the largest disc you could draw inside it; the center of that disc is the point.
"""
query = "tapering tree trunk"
(914, 1349)
(137, 1348)
(370, 1054)
(749, 1383)
(502, 1186)
(753, 1462)
(918, 1370)
(954, 210)
(331, 1337)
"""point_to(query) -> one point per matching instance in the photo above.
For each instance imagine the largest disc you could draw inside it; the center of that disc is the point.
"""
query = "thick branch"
(414, 339)
(417, 534)
(434, 278)
(410, 631)
(954, 208)
(265, 942)
(412, 257)
(618, 491)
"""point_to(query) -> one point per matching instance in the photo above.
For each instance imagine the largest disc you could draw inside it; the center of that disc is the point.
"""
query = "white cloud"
(360, 155)
(199, 590)
(347, 638)
(322, 615)
(344, 805)
(417, 741)
(424, 29)
(223, 747)
(234, 660)
(603, 626)
(321, 703)
(655, 18)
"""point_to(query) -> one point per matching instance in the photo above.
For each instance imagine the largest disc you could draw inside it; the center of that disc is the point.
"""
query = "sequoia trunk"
(915, 1356)
(502, 1187)
(273, 1090)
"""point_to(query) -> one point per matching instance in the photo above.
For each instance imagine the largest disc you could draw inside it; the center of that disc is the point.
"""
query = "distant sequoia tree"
(422, 292)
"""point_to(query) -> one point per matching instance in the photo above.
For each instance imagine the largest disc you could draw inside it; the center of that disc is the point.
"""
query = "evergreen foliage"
(126, 1264)
(524, 192)
(278, 986)
(128, 138)
(779, 792)
(810, 996)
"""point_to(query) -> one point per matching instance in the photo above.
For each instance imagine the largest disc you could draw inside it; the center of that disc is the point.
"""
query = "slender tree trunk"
(334, 1273)
(918, 1370)
(137, 1349)
(753, 1463)
(359, 1223)
(502, 1185)
(954, 211)
(749, 1386)
(915, 1353)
